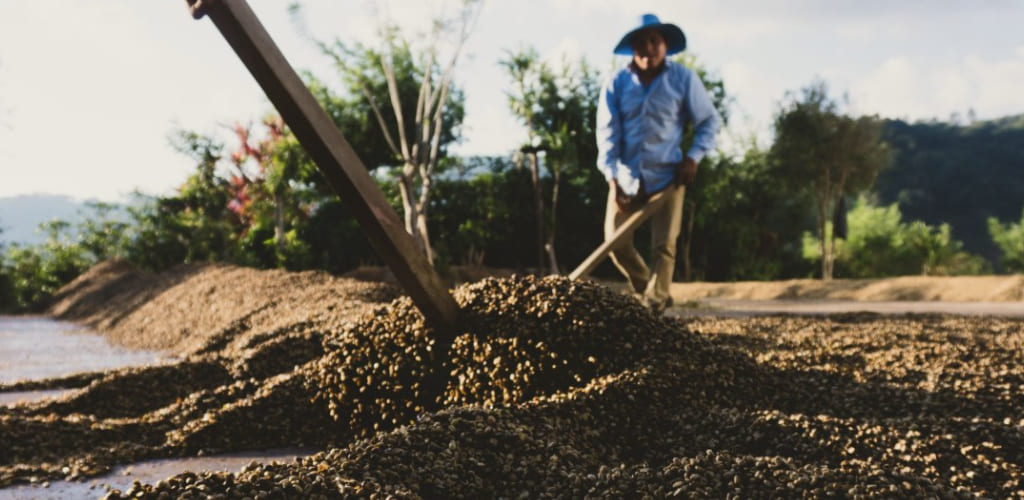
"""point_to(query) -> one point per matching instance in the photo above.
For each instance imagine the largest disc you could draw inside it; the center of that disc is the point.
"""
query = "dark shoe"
(658, 308)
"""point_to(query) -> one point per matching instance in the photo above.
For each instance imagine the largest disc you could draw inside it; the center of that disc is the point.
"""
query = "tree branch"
(380, 120)
(396, 102)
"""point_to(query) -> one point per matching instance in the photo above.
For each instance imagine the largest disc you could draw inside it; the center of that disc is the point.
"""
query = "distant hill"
(21, 215)
(960, 174)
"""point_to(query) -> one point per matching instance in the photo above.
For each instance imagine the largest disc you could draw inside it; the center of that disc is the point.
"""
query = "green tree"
(30, 274)
(35, 272)
(103, 231)
(1010, 240)
(270, 195)
(419, 92)
(698, 207)
(23, 270)
(198, 223)
(831, 154)
(748, 226)
(557, 108)
(957, 174)
(480, 214)
(529, 77)
(63, 258)
(7, 301)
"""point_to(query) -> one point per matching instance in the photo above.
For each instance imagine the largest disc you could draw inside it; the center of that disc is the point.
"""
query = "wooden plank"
(340, 165)
(631, 223)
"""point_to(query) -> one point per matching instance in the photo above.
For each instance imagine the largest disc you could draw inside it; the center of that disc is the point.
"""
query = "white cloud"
(583, 8)
(901, 87)
(568, 49)
(952, 87)
(737, 31)
(359, 21)
(490, 130)
(891, 89)
(706, 20)
(998, 85)
(95, 90)
(756, 93)
(861, 30)
(89, 90)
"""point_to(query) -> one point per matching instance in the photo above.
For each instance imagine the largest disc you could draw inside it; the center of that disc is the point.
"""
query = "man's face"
(648, 49)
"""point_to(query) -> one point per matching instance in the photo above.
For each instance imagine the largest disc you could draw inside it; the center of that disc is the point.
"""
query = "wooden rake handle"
(337, 161)
(631, 223)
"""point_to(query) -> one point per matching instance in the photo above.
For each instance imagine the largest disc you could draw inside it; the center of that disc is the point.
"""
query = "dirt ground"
(551, 389)
(903, 288)
(183, 308)
(187, 307)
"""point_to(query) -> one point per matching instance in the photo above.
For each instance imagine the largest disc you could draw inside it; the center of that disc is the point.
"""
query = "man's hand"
(686, 172)
(622, 200)
(625, 202)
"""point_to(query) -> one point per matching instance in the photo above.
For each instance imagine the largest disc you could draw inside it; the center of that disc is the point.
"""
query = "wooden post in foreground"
(631, 223)
(335, 158)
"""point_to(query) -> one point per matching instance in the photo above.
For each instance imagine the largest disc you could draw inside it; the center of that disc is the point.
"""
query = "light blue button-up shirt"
(640, 130)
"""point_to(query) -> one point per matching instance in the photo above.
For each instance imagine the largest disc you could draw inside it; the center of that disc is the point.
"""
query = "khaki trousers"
(665, 226)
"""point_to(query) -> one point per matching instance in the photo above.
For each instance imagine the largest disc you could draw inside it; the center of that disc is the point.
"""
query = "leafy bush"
(880, 244)
(746, 224)
(6, 287)
(30, 274)
(33, 273)
(1010, 240)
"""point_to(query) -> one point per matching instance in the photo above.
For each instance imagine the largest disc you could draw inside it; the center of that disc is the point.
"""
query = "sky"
(90, 90)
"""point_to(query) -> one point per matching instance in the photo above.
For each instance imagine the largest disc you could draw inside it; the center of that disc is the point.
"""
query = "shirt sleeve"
(706, 121)
(609, 132)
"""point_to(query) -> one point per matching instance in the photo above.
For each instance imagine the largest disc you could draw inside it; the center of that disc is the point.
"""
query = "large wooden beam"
(335, 158)
(627, 226)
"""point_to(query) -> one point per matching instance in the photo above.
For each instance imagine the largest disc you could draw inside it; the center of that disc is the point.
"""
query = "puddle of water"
(147, 472)
(743, 307)
(33, 348)
(13, 398)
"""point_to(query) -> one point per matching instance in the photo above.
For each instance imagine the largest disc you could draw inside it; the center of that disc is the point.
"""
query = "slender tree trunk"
(421, 227)
(420, 152)
(538, 206)
(550, 245)
(410, 210)
(826, 270)
(279, 222)
(691, 218)
(422, 209)
(838, 195)
(832, 249)
(831, 255)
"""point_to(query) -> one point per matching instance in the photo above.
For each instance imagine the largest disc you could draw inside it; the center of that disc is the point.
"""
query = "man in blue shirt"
(642, 114)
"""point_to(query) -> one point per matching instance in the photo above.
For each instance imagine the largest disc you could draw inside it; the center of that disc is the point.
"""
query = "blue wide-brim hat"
(675, 40)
